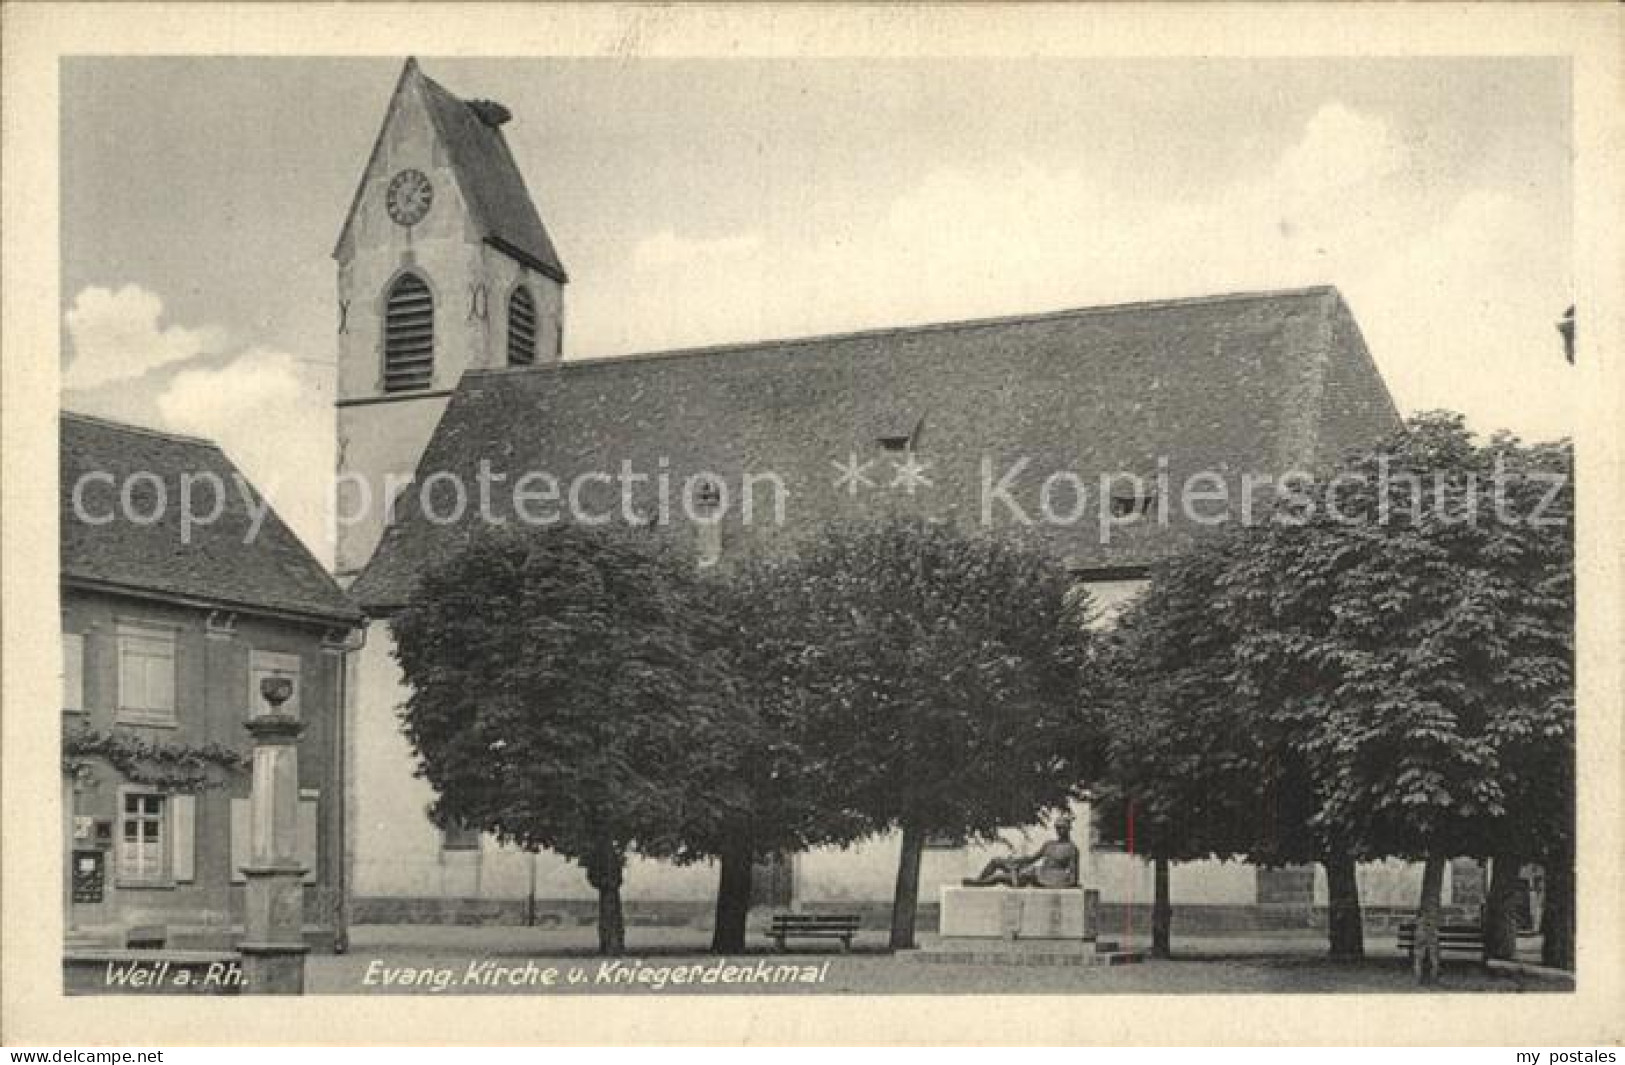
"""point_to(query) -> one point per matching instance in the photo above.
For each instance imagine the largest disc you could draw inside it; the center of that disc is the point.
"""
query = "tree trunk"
(733, 900)
(604, 874)
(905, 899)
(1162, 911)
(1501, 908)
(1425, 952)
(1557, 913)
(1345, 926)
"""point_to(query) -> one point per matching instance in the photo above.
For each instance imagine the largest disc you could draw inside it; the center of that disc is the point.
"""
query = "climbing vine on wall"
(180, 767)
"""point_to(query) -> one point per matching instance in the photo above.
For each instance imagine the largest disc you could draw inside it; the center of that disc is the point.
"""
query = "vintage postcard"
(643, 524)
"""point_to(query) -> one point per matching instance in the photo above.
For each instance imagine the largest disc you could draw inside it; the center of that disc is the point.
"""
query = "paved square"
(1292, 963)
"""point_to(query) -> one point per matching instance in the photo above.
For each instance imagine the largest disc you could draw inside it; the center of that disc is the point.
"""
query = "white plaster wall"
(1128, 878)
(397, 849)
(379, 444)
(1390, 883)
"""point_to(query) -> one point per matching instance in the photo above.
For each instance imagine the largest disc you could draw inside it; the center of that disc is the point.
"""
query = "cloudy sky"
(722, 200)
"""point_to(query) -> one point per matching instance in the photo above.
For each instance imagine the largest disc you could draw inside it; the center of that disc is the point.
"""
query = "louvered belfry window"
(408, 336)
(521, 328)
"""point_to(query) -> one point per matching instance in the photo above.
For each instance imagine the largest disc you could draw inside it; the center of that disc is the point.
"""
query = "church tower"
(443, 266)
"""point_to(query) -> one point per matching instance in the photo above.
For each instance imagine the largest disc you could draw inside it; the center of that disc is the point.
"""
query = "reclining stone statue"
(1054, 866)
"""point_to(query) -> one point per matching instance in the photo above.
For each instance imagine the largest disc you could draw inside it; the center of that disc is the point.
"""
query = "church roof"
(220, 564)
(499, 205)
(498, 201)
(1258, 383)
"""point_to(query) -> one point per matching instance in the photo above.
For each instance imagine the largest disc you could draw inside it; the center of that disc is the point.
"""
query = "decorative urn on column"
(273, 945)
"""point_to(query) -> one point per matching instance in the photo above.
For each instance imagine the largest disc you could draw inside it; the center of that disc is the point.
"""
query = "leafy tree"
(1200, 770)
(941, 671)
(1389, 677)
(1294, 836)
(1196, 769)
(781, 795)
(1180, 764)
(1413, 622)
(562, 697)
(1534, 738)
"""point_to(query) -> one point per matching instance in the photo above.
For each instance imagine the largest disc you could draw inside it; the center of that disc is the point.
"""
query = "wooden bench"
(842, 926)
(1453, 939)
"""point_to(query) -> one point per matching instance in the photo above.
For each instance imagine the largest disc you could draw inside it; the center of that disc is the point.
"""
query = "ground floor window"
(459, 838)
(143, 843)
(1292, 885)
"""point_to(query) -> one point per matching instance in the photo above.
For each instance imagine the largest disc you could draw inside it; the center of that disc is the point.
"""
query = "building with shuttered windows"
(167, 632)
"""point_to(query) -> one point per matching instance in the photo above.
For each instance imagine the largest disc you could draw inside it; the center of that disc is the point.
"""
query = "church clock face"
(409, 198)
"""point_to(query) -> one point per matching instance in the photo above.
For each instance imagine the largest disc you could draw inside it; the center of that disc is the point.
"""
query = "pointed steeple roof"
(499, 205)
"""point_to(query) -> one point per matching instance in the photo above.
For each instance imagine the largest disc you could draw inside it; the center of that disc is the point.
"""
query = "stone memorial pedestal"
(273, 945)
(1019, 926)
(1019, 913)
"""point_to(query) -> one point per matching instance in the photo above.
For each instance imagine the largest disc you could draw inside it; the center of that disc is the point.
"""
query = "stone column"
(273, 946)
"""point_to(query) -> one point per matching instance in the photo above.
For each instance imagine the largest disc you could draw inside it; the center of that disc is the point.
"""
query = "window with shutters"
(408, 335)
(521, 328)
(143, 843)
(146, 674)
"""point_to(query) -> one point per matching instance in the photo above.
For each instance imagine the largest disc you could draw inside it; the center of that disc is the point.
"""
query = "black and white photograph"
(550, 524)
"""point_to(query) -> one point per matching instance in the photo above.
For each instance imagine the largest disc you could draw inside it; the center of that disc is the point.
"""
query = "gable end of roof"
(492, 184)
(501, 206)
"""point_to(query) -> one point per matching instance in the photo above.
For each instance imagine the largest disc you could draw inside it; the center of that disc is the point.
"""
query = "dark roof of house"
(1253, 383)
(499, 205)
(219, 563)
